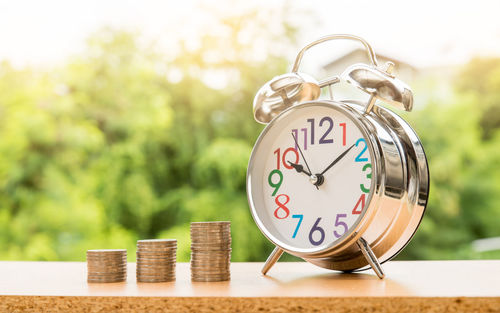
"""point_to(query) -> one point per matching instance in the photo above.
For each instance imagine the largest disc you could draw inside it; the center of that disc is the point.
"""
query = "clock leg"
(272, 259)
(370, 257)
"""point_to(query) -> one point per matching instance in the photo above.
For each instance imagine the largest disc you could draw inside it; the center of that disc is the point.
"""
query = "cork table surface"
(409, 286)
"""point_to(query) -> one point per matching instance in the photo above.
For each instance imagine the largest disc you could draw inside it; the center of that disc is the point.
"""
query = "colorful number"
(338, 222)
(323, 138)
(359, 205)
(330, 121)
(311, 121)
(314, 229)
(343, 125)
(304, 130)
(295, 134)
(300, 217)
(359, 158)
(281, 205)
(296, 157)
(277, 152)
(277, 185)
(369, 176)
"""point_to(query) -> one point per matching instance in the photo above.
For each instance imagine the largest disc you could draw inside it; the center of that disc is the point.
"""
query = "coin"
(157, 241)
(154, 280)
(210, 251)
(156, 260)
(106, 265)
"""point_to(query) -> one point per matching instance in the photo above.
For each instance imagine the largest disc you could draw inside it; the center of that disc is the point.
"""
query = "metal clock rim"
(377, 185)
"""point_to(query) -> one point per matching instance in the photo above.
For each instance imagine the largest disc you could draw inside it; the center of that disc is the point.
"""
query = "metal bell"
(283, 92)
(381, 85)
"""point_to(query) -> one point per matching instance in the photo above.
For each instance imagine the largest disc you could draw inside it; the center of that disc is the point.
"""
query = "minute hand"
(337, 159)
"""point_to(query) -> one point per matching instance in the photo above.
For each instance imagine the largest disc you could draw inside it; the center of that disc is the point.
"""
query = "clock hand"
(337, 159)
(299, 168)
(313, 178)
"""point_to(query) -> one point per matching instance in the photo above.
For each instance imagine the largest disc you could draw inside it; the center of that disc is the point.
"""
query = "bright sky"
(422, 33)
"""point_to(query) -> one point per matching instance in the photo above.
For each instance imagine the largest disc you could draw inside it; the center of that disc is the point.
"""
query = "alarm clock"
(341, 184)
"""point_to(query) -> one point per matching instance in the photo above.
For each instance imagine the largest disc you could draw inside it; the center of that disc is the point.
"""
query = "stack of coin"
(156, 260)
(106, 266)
(210, 251)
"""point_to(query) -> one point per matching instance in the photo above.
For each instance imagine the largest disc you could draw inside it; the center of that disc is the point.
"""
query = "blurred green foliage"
(106, 150)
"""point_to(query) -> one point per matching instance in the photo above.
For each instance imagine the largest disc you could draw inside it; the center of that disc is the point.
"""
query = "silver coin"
(153, 241)
(109, 256)
(211, 242)
(155, 270)
(212, 223)
(210, 230)
(101, 281)
(210, 247)
(107, 270)
(206, 236)
(106, 264)
(155, 254)
(155, 276)
(156, 259)
(156, 264)
(110, 265)
(211, 278)
(106, 259)
(103, 260)
(142, 280)
(156, 251)
(210, 266)
(107, 252)
(155, 247)
(103, 278)
(209, 259)
(210, 269)
(106, 278)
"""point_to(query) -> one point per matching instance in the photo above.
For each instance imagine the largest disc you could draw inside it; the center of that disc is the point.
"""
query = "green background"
(104, 150)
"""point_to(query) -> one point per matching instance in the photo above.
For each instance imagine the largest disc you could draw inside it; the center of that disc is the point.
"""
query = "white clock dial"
(310, 196)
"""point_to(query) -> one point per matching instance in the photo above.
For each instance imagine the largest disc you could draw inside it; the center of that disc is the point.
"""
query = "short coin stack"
(210, 251)
(156, 260)
(106, 266)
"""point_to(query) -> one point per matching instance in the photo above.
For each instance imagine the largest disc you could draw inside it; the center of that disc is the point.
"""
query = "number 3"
(369, 176)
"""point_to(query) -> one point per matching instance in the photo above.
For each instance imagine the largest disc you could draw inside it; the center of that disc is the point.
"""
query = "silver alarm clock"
(341, 184)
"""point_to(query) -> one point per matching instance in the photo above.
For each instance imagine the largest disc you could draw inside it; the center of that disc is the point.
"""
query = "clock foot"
(370, 257)
(272, 259)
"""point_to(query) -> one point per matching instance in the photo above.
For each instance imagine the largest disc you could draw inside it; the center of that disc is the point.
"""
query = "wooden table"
(419, 286)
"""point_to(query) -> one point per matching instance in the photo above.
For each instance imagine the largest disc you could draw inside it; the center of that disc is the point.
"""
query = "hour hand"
(299, 168)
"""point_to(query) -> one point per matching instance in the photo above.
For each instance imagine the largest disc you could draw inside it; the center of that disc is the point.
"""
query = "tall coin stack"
(156, 260)
(210, 251)
(106, 266)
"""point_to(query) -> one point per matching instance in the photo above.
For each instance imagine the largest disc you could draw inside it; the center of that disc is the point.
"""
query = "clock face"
(310, 177)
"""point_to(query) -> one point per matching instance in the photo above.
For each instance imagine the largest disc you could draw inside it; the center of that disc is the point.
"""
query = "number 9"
(277, 185)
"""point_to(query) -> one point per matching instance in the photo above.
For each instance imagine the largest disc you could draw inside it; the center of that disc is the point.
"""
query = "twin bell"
(290, 89)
